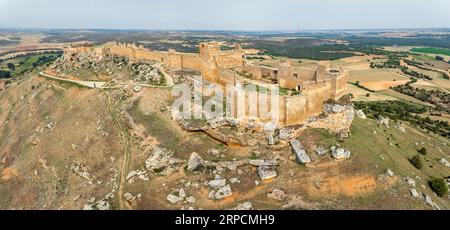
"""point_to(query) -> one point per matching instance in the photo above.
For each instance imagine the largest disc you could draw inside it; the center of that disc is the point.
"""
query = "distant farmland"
(431, 51)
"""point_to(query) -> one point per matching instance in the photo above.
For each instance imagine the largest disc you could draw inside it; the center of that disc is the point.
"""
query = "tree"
(423, 150)
(11, 66)
(439, 186)
(416, 161)
(439, 58)
(5, 74)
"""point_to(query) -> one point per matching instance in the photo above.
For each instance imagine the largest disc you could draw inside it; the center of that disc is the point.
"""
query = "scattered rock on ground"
(410, 181)
(244, 206)
(277, 194)
(137, 89)
(223, 192)
(383, 121)
(196, 163)
(321, 151)
(445, 162)
(266, 172)
(216, 184)
(300, 153)
(360, 114)
(340, 154)
(414, 193)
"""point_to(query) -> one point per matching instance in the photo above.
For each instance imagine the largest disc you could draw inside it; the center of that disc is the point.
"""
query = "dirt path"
(169, 79)
(89, 84)
(102, 85)
(124, 168)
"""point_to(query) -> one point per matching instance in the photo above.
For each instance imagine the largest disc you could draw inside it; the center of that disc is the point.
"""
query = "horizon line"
(228, 30)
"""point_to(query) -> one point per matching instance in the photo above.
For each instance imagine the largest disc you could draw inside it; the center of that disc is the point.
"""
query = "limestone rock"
(173, 199)
(383, 121)
(300, 153)
(196, 163)
(389, 173)
(266, 172)
(277, 194)
(445, 162)
(216, 184)
(235, 181)
(269, 132)
(430, 202)
(161, 161)
(103, 205)
(233, 122)
(333, 108)
(223, 192)
(360, 114)
(414, 193)
(410, 181)
(270, 127)
(217, 123)
(137, 89)
(191, 200)
(339, 154)
(401, 128)
(321, 151)
(245, 206)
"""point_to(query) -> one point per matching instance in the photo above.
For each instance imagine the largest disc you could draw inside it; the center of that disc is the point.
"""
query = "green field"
(27, 62)
(429, 50)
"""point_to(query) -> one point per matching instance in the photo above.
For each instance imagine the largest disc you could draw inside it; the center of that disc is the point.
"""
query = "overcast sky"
(224, 14)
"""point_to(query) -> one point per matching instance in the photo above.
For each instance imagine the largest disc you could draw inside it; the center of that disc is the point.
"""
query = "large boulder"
(223, 192)
(360, 114)
(245, 206)
(445, 162)
(339, 154)
(333, 108)
(266, 172)
(269, 132)
(414, 193)
(400, 127)
(162, 161)
(300, 153)
(216, 184)
(195, 163)
(336, 119)
(383, 121)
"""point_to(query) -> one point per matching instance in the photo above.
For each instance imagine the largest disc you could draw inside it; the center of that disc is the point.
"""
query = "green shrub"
(439, 186)
(423, 151)
(416, 161)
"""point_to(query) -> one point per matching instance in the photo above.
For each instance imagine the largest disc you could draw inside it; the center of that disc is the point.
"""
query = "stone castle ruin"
(312, 88)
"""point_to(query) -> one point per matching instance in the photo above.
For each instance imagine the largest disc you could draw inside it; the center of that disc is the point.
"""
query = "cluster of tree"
(392, 62)
(5, 74)
(415, 74)
(398, 110)
(435, 97)
(439, 58)
(419, 40)
(42, 60)
(420, 66)
(32, 54)
(303, 48)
